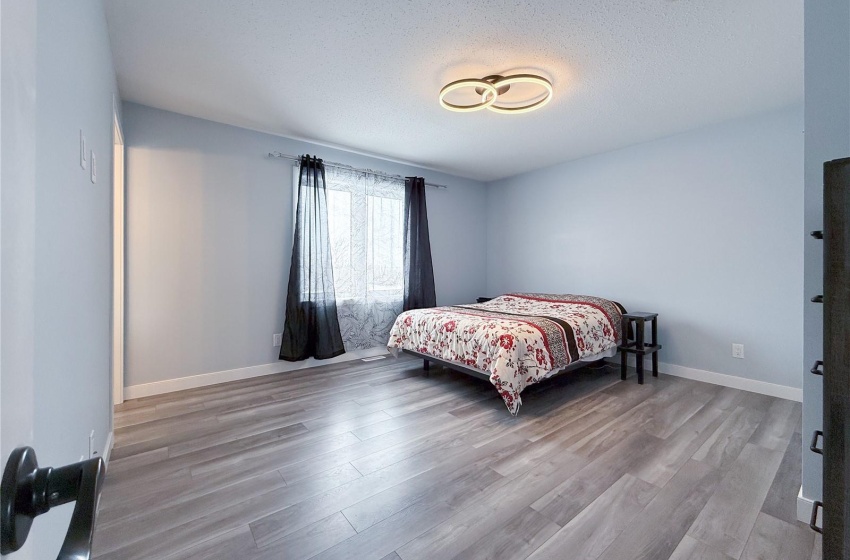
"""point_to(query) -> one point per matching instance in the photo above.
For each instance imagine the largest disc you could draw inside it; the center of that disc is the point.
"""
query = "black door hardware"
(27, 491)
(816, 368)
(817, 299)
(817, 234)
(813, 447)
(814, 521)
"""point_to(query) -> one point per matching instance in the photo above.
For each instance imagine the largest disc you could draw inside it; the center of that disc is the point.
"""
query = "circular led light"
(487, 98)
(522, 79)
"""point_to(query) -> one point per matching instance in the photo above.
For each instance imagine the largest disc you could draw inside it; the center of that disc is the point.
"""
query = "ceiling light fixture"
(484, 88)
(491, 87)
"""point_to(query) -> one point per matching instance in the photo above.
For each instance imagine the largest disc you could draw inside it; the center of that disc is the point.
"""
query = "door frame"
(118, 232)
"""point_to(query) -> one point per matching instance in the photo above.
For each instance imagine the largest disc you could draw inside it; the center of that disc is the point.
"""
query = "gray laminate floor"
(379, 461)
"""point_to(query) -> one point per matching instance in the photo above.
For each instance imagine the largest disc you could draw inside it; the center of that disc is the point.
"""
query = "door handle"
(814, 445)
(813, 523)
(28, 491)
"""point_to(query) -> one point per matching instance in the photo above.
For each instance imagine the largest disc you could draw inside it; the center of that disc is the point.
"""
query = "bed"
(514, 340)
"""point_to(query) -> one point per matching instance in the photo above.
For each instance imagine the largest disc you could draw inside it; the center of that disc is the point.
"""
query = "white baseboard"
(735, 382)
(213, 378)
(804, 508)
(107, 447)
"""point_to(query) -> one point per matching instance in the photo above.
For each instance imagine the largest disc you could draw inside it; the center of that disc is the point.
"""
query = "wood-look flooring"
(379, 460)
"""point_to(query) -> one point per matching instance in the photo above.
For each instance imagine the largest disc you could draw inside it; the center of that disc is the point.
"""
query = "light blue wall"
(703, 228)
(57, 238)
(17, 226)
(827, 109)
(209, 240)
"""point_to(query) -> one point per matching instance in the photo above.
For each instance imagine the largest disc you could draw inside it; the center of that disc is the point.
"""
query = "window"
(385, 253)
(341, 231)
(366, 230)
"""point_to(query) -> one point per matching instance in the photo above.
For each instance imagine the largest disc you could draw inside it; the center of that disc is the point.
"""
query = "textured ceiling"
(364, 75)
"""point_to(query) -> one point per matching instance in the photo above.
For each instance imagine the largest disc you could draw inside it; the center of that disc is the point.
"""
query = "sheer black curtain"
(419, 288)
(311, 328)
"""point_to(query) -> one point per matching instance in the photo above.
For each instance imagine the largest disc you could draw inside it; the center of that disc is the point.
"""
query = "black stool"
(637, 346)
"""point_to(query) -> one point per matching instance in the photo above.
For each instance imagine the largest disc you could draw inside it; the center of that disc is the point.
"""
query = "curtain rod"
(352, 168)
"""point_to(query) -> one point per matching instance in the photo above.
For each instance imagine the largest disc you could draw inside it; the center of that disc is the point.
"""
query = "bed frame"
(480, 374)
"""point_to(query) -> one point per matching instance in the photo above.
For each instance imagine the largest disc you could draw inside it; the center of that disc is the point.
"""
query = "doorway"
(117, 259)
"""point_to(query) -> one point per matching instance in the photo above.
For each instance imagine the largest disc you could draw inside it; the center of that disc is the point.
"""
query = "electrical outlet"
(277, 339)
(738, 351)
(93, 167)
(83, 151)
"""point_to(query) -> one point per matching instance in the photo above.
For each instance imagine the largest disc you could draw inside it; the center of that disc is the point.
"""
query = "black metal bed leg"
(427, 365)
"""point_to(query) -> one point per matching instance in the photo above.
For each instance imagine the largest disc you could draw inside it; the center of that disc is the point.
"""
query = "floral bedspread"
(518, 339)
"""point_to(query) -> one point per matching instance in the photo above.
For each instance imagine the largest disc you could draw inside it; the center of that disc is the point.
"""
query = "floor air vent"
(373, 358)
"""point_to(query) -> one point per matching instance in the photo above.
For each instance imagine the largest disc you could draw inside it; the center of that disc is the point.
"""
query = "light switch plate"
(93, 167)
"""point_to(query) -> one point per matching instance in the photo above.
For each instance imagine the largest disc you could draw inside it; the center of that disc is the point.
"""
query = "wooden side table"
(637, 345)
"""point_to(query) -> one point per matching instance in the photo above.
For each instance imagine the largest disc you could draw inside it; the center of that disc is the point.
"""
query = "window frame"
(333, 178)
